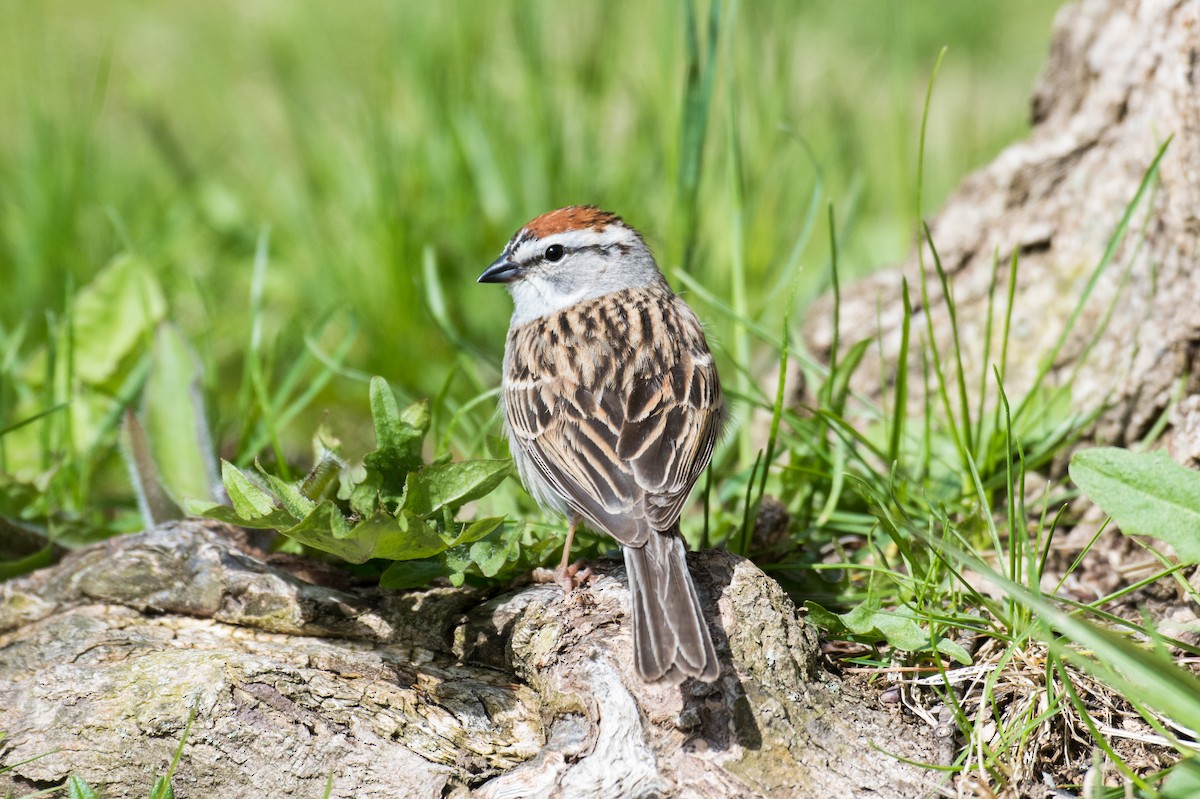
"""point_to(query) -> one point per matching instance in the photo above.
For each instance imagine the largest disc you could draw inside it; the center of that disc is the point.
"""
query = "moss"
(771, 769)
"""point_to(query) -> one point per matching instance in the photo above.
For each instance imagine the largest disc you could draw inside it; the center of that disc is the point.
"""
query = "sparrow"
(612, 407)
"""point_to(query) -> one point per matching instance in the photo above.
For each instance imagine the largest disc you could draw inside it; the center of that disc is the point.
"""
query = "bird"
(612, 407)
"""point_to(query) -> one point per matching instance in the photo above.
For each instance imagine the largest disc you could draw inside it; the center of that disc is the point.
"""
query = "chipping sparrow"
(612, 406)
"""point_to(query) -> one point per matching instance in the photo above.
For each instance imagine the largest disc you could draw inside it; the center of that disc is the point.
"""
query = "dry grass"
(1020, 722)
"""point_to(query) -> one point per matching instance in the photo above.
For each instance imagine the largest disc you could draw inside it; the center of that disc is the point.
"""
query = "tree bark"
(431, 693)
(1121, 78)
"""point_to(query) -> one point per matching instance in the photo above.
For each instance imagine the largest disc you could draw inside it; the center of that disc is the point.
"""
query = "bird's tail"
(670, 636)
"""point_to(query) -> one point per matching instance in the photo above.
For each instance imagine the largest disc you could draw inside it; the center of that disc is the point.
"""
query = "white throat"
(535, 297)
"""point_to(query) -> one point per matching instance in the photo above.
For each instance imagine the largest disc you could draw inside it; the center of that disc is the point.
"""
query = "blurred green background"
(374, 157)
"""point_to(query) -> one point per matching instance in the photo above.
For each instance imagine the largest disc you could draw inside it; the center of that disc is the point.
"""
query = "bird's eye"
(555, 252)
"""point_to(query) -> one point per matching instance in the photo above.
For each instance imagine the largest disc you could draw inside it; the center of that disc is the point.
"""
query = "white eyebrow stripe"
(576, 239)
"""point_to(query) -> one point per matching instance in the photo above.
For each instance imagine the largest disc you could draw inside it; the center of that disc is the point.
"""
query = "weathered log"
(1121, 78)
(431, 693)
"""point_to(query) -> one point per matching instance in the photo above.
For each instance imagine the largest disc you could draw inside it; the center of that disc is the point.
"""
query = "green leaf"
(954, 651)
(398, 435)
(250, 501)
(77, 788)
(398, 438)
(278, 519)
(898, 627)
(380, 536)
(112, 314)
(1146, 493)
(175, 419)
(411, 574)
(491, 555)
(162, 789)
(399, 537)
(290, 496)
(480, 528)
(424, 497)
(326, 529)
(1184, 781)
(448, 486)
(364, 495)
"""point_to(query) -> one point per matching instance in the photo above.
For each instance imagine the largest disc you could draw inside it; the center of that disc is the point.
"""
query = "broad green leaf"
(250, 501)
(458, 563)
(77, 788)
(326, 529)
(112, 315)
(289, 495)
(491, 555)
(364, 496)
(175, 420)
(480, 528)
(450, 485)
(411, 573)
(398, 437)
(1146, 493)
(200, 507)
(505, 550)
(278, 519)
(898, 627)
(154, 502)
(393, 473)
(1184, 781)
(381, 536)
(399, 537)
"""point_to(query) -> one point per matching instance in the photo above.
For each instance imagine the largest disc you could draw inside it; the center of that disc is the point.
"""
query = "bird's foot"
(569, 577)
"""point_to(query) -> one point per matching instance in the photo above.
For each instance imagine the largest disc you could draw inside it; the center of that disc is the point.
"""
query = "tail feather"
(670, 634)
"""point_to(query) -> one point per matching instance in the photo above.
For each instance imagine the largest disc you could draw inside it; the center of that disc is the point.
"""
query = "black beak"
(502, 271)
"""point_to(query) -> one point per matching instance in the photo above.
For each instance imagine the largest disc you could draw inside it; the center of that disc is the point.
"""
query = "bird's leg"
(568, 575)
(566, 558)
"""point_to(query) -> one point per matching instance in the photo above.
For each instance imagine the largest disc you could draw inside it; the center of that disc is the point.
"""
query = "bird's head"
(570, 255)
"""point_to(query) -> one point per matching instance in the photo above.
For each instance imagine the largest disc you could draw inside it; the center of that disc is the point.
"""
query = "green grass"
(386, 150)
(310, 193)
(307, 194)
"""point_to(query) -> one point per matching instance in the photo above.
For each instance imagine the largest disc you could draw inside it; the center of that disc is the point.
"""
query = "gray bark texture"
(1122, 76)
(432, 693)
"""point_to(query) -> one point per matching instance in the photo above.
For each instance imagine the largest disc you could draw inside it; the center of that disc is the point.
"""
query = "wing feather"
(612, 422)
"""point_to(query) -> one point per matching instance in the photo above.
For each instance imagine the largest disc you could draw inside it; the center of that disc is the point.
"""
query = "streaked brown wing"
(670, 430)
(618, 429)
